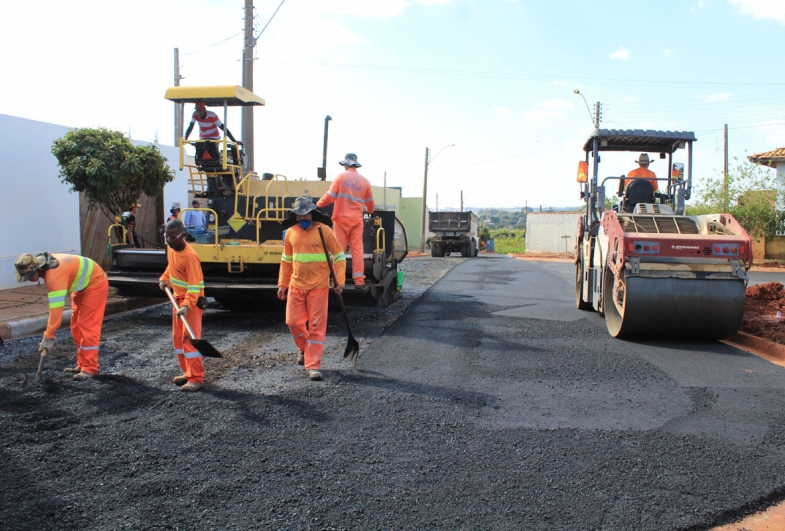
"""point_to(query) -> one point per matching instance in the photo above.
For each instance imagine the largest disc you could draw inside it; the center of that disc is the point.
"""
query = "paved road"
(762, 277)
(558, 426)
(490, 404)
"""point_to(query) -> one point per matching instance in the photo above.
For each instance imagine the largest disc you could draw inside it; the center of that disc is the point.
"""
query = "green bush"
(508, 241)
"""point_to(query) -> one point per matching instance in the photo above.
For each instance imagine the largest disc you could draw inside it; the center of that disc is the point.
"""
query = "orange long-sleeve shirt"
(184, 273)
(303, 263)
(75, 273)
(643, 172)
(350, 191)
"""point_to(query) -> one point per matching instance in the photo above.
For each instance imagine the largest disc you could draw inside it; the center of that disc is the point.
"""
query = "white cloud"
(621, 54)
(720, 96)
(667, 52)
(699, 5)
(501, 110)
(433, 2)
(774, 9)
(775, 131)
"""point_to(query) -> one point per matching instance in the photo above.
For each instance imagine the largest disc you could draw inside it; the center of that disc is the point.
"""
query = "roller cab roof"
(214, 96)
(639, 140)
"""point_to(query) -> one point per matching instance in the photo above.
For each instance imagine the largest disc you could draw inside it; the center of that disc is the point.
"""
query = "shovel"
(352, 346)
(40, 367)
(202, 345)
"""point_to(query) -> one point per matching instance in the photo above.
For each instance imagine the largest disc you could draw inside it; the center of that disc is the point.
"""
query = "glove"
(164, 284)
(183, 311)
(47, 344)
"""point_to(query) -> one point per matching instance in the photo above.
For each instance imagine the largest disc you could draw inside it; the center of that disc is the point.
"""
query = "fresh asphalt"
(555, 425)
(490, 404)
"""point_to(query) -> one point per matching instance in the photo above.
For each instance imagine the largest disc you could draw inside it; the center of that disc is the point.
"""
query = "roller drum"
(675, 308)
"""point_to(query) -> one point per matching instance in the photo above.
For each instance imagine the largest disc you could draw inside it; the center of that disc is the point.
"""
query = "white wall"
(544, 232)
(37, 212)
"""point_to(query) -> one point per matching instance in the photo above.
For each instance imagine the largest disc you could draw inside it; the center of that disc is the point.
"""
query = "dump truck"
(247, 213)
(649, 269)
(453, 232)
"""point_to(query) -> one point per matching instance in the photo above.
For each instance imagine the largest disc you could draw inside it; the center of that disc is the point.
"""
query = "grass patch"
(509, 245)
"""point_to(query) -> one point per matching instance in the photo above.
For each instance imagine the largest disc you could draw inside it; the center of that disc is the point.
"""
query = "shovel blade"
(352, 351)
(205, 348)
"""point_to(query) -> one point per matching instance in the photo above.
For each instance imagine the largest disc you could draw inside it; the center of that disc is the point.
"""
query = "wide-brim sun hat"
(350, 160)
(302, 205)
(27, 265)
(644, 159)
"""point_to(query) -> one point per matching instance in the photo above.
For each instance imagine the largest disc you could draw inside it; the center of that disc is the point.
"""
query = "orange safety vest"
(643, 172)
(74, 274)
(350, 191)
(184, 273)
(303, 262)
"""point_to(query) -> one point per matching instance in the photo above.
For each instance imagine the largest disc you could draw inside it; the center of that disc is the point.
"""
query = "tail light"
(731, 249)
(645, 247)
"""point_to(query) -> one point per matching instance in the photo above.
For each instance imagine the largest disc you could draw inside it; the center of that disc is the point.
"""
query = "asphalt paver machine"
(241, 246)
(651, 270)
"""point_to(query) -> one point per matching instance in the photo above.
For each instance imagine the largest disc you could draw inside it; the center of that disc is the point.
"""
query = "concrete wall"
(37, 211)
(545, 231)
(410, 215)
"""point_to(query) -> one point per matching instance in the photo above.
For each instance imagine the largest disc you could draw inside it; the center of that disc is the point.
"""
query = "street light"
(428, 161)
(578, 92)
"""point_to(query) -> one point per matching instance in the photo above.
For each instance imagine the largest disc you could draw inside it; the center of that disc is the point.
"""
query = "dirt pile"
(760, 312)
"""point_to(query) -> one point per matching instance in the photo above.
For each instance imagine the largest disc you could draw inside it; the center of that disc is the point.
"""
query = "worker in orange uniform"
(304, 280)
(643, 171)
(351, 193)
(89, 288)
(184, 277)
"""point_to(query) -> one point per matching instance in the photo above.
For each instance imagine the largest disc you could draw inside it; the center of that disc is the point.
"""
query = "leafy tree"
(751, 198)
(111, 171)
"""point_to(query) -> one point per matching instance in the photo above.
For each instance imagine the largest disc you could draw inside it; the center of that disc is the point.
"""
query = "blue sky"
(493, 77)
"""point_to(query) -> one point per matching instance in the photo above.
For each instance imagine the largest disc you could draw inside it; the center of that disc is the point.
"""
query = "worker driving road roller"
(89, 288)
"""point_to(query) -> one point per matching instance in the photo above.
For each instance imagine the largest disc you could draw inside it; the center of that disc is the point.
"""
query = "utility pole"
(461, 200)
(597, 115)
(248, 47)
(321, 173)
(178, 107)
(725, 176)
(424, 196)
(385, 190)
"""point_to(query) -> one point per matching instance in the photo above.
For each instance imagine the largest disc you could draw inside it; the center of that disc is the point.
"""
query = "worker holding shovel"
(89, 288)
(183, 276)
(304, 280)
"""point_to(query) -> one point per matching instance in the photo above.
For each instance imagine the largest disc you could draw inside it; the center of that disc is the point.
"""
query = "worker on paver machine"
(304, 280)
(89, 287)
(351, 193)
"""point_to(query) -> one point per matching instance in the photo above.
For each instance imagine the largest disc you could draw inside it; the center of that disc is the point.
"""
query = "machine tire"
(440, 248)
(579, 302)
(434, 250)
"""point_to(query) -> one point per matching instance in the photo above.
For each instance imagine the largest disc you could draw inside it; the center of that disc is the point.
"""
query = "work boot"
(72, 370)
(180, 380)
(192, 387)
(314, 375)
(301, 358)
(83, 376)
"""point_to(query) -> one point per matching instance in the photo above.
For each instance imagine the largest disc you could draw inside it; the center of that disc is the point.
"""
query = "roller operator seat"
(638, 191)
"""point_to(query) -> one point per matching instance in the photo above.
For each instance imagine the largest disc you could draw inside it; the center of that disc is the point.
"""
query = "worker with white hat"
(643, 171)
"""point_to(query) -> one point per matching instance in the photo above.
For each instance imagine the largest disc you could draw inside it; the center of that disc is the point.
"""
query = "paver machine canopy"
(651, 270)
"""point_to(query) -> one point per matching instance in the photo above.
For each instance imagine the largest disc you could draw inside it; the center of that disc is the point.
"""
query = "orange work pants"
(87, 317)
(351, 231)
(308, 306)
(189, 358)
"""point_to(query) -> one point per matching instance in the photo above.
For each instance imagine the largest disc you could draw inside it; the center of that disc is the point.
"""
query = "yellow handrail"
(381, 232)
(109, 232)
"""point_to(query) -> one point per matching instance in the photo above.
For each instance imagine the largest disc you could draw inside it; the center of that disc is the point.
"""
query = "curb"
(768, 350)
(34, 325)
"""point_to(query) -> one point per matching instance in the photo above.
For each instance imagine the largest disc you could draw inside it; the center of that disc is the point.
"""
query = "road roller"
(652, 271)
(247, 214)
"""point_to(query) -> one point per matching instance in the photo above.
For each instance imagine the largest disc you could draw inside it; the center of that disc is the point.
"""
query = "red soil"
(760, 312)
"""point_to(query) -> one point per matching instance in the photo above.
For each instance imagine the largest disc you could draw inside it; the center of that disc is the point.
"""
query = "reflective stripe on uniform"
(357, 274)
(313, 342)
(178, 351)
(57, 298)
(89, 348)
(196, 288)
(286, 258)
(353, 198)
(83, 275)
(309, 257)
(338, 257)
(177, 282)
(301, 335)
(191, 355)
